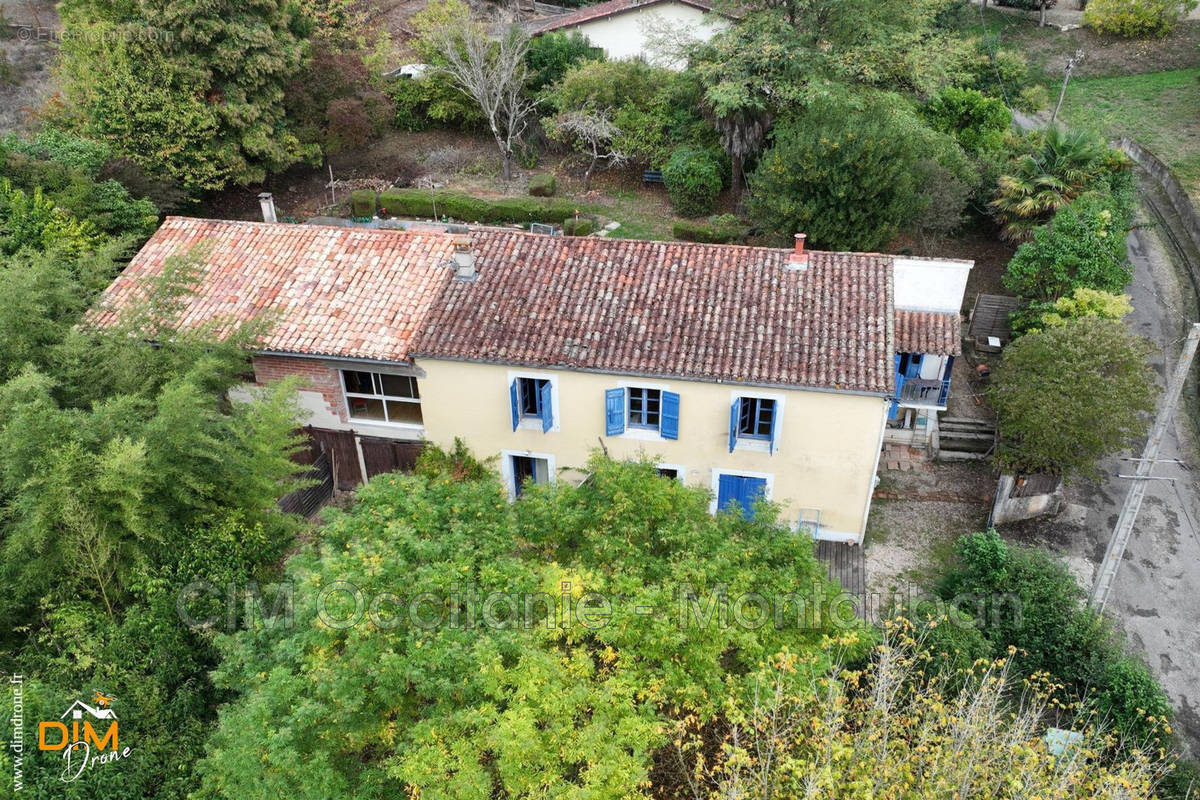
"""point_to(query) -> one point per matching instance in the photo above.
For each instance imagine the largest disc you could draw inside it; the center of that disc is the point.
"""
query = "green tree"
(976, 121)
(552, 55)
(1024, 598)
(191, 91)
(1083, 302)
(1083, 246)
(1062, 166)
(849, 179)
(1069, 395)
(536, 699)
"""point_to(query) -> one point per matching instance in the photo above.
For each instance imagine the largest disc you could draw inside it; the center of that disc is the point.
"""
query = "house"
(625, 28)
(748, 371)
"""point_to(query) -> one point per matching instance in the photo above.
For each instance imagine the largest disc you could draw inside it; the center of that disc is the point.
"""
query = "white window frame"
(768, 492)
(643, 434)
(347, 395)
(506, 470)
(535, 423)
(680, 470)
(761, 445)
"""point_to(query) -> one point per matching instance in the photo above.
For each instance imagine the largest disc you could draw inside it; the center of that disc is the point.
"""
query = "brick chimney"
(798, 259)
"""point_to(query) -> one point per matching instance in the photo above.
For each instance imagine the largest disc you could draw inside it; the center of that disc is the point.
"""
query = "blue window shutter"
(669, 427)
(614, 412)
(516, 407)
(735, 411)
(546, 393)
(774, 423)
(753, 489)
(728, 488)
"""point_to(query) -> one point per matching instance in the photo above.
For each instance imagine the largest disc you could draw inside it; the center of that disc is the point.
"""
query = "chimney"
(798, 259)
(268, 207)
(464, 259)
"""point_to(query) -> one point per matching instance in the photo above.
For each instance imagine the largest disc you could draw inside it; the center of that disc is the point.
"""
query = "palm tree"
(1044, 181)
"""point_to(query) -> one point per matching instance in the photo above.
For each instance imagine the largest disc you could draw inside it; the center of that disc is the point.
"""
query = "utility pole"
(1133, 500)
(1072, 62)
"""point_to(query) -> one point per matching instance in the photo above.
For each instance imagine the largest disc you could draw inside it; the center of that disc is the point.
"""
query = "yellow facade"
(826, 448)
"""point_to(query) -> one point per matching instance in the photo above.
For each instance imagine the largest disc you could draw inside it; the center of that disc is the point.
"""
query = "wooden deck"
(847, 566)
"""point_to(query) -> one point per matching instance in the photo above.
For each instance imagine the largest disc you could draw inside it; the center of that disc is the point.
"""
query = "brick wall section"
(312, 374)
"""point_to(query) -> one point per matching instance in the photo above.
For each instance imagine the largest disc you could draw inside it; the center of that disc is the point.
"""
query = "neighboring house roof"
(331, 291)
(671, 309)
(935, 333)
(601, 10)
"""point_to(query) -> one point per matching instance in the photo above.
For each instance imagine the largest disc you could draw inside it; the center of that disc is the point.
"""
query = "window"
(645, 406)
(382, 397)
(641, 408)
(669, 472)
(757, 418)
(519, 469)
(532, 399)
(754, 420)
(740, 491)
(531, 392)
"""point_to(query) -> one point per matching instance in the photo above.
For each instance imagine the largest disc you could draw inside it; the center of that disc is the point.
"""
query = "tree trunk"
(736, 182)
(1042, 20)
(506, 165)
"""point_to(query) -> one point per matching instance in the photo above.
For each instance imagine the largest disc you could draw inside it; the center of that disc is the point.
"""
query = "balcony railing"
(923, 392)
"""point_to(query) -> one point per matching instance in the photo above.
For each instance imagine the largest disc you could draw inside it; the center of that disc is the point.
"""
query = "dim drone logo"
(89, 726)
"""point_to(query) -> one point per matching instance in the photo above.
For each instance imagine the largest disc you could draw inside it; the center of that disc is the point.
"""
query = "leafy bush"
(1083, 302)
(362, 203)
(976, 121)
(721, 229)
(422, 102)
(548, 695)
(693, 179)
(543, 185)
(1065, 397)
(420, 203)
(849, 179)
(1083, 246)
(1136, 19)
(578, 226)
(552, 54)
(54, 144)
(1029, 600)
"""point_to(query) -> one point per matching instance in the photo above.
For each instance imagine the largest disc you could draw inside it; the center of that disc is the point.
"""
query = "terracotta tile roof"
(329, 291)
(713, 312)
(671, 309)
(608, 9)
(928, 332)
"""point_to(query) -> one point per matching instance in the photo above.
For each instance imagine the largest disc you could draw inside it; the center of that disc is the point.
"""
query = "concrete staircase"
(964, 439)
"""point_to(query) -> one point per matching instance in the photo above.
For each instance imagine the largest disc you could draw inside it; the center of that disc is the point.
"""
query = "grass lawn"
(1161, 110)
(1048, 48)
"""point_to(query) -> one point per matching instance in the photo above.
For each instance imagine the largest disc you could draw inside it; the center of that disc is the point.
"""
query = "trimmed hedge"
(362, 203)
(578, 227)
(543, 185)
(417, 203)
(722, 229)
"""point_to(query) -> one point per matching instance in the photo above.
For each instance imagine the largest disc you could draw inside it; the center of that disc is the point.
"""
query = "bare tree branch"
(593, 133)
(491, 72)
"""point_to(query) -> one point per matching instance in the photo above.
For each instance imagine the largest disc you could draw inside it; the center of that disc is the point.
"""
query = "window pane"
(400, 411)
(635, 406)
(766, 413)
(399, 386)
(365, 408)
(666, 472)
(358, 382)
(531, 404)
(749, 408)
